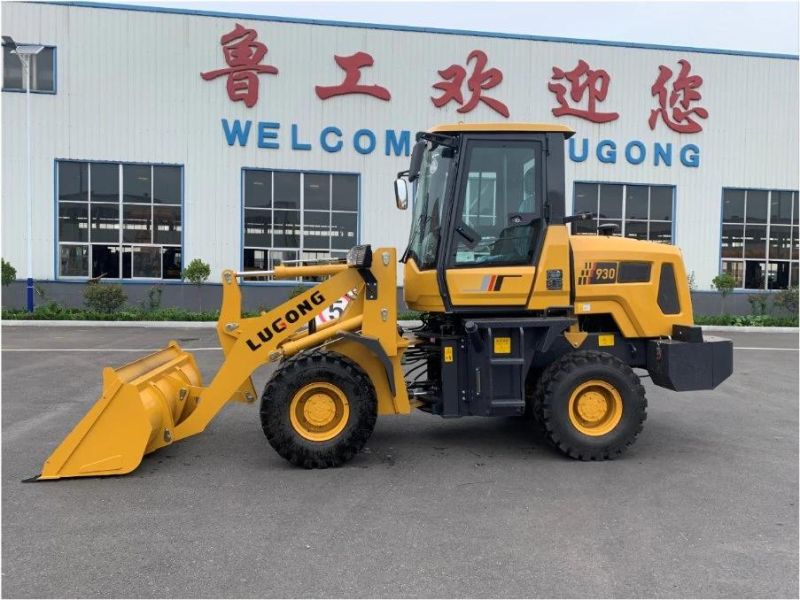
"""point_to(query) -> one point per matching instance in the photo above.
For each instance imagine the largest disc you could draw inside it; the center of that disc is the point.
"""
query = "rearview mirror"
(416, 160)
(401, 193)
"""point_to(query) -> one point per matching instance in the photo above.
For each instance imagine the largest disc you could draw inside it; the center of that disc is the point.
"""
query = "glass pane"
(795, 242)
(317, 191)
(661, 232)
(74, 261)
(794, 279)
(277, 257)
(661, 202)
(316, 230)
(105, 182)
(756, 206)
(755, 241)
(781, 208)
(779, 241)
(255, 259)
(736, 270)
(286, 228)
(754, 272)
(12, 70)
(257, 227)
(610, 201)
(146, 261)
(778, 275)
(171, 263)
(795, 209)
(167, 224)
(636, 230)
(44, 71)
(73, 222)
(258, 189)
(636, 202)
(344, 230)
(585, 198)
(345, 192)
(136, 183)
(287, 190)
(73, 181)
(733, 206)
(166, 185)
(732, 241)
(105, 261)
(136, 225)
(105, 223)
(127, 256)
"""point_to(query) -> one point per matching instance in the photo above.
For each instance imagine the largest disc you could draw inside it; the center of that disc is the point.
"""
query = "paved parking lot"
(705, 504)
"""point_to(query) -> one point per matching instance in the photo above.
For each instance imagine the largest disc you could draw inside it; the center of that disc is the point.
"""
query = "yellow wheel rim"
(595, 407)
(319, 411)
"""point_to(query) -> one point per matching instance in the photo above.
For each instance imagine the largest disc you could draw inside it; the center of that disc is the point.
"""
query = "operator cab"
(483, 196)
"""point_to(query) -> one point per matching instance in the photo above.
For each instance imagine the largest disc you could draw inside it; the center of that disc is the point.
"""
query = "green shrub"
(9, 272)
(196, 273)
(153, 300)
(787, 299)
(758, 303)
(297, 290)
(104, 298)
(724, 284)
(746, 320)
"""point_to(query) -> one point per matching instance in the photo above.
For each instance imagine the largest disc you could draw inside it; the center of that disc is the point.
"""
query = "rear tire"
(591, 405)
(318, 410)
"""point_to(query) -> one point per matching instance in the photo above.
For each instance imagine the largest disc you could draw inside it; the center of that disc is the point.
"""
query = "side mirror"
(401, 193)
(416, 160)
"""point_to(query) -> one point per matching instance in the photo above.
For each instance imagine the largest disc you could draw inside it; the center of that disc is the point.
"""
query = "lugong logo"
(281, 323)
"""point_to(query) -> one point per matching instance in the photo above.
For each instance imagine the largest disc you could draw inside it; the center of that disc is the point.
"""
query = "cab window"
(500, 210)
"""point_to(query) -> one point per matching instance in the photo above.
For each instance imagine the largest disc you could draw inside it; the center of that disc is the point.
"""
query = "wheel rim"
(595, 407)
(319, 411)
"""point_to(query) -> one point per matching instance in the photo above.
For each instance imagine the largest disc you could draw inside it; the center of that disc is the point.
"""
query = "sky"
(751, 26)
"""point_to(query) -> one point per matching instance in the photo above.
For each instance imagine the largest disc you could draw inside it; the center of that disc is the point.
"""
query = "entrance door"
(497, 225)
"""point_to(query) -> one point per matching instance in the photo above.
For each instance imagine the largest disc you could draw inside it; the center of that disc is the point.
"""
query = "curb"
(213, 324)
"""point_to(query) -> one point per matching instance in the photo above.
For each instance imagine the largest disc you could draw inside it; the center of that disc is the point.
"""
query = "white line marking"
(771, 349)
(102, 349)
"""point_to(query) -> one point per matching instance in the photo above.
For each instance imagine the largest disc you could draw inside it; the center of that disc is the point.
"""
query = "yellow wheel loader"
(519, 317)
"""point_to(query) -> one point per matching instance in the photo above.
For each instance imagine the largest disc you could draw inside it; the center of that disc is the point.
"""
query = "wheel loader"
(519, 317)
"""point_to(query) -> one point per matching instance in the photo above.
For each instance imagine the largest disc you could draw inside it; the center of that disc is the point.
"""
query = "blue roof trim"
(486, 34)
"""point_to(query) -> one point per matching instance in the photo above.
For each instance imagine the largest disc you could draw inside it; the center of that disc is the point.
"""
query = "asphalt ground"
(704, 505)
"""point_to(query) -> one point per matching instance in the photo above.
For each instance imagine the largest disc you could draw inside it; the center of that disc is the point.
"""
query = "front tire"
(591, 405)
(318, 410)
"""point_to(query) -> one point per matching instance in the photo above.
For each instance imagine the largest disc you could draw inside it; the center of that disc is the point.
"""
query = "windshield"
(428, 204)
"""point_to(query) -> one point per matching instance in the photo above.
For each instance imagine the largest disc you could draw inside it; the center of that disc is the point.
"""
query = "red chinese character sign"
(675, 106)
(583, 81)
(480, 80)
(244, 55)
(352, 66)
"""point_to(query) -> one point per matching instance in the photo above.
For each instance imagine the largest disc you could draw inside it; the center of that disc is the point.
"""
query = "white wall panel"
(129, 89)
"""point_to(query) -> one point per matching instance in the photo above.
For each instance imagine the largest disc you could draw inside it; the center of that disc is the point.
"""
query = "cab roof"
(504, 127)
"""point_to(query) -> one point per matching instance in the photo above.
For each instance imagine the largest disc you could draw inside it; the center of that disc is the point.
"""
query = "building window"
(643, 212)
(759, 245)
(119, 221)
(291, 216)
(43, 71)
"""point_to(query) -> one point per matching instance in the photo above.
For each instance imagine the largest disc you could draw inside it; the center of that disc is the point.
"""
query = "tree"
(196, 273)
(724, 284)
(9, 272)
(788, 300)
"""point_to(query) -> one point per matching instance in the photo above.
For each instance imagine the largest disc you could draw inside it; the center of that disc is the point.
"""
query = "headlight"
(360, 256)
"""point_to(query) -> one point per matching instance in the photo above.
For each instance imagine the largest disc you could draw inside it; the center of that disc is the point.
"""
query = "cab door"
(496, 224)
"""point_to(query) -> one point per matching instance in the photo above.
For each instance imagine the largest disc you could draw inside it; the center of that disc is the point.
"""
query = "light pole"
(24, 52)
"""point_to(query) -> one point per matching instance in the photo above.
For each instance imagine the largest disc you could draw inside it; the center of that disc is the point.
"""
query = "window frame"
(623, 218)
(792, 226)
(120, 244)
(22, 90)
(300, 250)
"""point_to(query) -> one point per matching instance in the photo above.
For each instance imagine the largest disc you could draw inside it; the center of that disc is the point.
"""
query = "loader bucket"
(139, 407)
